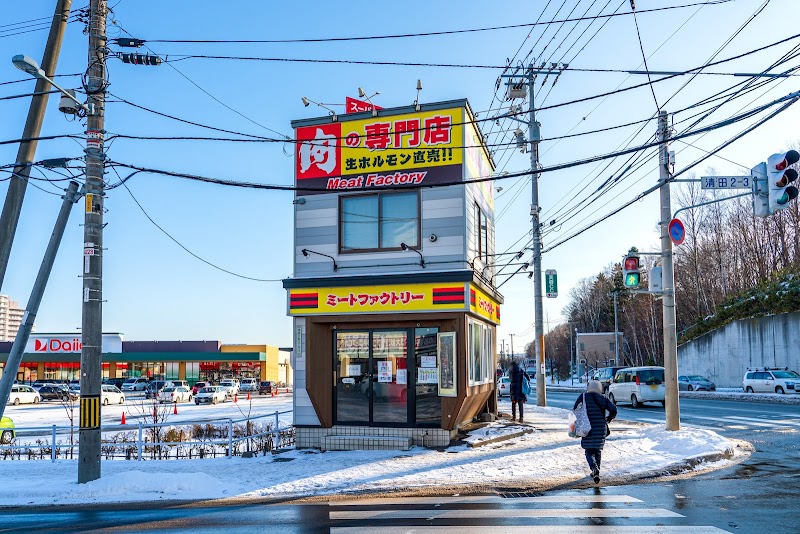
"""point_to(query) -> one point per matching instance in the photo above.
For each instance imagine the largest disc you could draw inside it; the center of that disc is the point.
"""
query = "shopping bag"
(526, 387)
(571, 425)
(582, 424)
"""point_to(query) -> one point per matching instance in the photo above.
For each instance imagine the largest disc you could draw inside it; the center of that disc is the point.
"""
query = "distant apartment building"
(10, 318)
(596, 349)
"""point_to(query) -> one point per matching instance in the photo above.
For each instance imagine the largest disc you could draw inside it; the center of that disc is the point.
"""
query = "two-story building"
(393, 294)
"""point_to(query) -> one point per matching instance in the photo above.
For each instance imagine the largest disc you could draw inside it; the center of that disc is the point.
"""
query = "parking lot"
(136, 406)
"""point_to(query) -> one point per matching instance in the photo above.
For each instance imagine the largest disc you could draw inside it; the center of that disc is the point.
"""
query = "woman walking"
(518, 398)
(596, 407)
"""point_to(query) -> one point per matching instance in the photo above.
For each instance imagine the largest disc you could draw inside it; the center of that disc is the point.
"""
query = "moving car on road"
(504, 386)
(695, 383)
(23, 395)
(605, 375)
(637, 385)
(175, 394)
(211, 395)
(7, 432)
(771, 380)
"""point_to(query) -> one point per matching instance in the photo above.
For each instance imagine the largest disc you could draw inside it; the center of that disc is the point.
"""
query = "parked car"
(605, 375)
(135, 384)
(176, 383)
(211, 395)
(637, 385)
(7, 430)
(771, 380)
(37, 385)
(266, 387)
(200, 385)
(504, 386)
(111, 395)
(74, 389)
(695, 383)
(232, 386)
(249, 384)
(174, 394)
(155, 387)
(21, 394)
(56, 392)
(114, 382)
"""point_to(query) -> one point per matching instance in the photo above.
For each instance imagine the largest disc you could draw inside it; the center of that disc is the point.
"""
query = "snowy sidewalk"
(540, 460)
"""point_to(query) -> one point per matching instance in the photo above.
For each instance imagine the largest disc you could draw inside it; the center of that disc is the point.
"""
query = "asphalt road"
(758, 495)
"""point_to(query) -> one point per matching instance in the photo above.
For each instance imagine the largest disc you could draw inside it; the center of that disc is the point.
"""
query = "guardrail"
(159, 441)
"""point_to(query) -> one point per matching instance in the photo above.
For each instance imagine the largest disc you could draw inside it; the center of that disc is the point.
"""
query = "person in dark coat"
(597, 405)
(516, 375)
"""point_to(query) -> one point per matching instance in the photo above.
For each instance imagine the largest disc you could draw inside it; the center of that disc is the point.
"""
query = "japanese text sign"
(381, 152)
(377, 299)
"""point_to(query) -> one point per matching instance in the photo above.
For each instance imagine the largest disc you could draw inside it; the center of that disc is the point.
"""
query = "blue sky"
(156, 290)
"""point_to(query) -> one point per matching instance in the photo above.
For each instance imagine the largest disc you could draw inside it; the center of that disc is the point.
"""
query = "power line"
(422, 34)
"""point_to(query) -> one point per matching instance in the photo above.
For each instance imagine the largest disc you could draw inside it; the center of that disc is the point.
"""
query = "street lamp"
(363, 94)
(29, 65)
(307, 101)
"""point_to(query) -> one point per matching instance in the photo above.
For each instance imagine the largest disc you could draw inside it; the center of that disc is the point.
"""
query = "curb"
(791, 399)
(504, 437)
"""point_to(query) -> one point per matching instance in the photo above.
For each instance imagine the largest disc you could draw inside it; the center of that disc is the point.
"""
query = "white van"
(636, 385)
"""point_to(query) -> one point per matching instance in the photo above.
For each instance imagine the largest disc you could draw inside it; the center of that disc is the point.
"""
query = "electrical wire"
(423, 34)
(644, 56)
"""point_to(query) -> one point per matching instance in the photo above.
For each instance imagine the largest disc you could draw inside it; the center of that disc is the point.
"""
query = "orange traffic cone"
(235, 398)
(123, 418)
(287, 390)
(175, 411)
(248, 396)
(274, 392)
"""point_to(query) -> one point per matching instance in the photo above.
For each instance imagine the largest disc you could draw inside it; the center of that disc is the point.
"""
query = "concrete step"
(356, 443)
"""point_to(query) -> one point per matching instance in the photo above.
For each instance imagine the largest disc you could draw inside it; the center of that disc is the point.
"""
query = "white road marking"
(501, 513)
(486, 499)
(538, 529)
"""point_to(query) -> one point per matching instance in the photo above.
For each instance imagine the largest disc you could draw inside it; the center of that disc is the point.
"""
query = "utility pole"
(534, 136)
(512, 347)
(33, 127)
(23, 334)
(672, 403)
(92, 323)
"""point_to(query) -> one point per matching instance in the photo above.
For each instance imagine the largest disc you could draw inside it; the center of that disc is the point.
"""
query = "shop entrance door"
(372, 377)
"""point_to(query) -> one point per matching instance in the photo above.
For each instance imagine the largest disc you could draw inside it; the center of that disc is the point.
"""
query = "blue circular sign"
(676, 231)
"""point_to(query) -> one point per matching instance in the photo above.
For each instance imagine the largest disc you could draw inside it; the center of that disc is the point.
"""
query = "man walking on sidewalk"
(517, 375)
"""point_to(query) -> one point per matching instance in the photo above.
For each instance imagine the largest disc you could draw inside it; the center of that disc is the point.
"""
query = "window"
(378, 222)
(611, 346)
(480, 354)
(481, 235)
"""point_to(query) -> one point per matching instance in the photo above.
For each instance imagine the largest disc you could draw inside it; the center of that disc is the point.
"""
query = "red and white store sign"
(61, 344)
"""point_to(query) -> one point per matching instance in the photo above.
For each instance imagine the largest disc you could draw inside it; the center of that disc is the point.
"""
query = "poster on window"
(428, 376)
(384, 371)
(428, 362)
(446, 351)
(353, 370)
(402, 376)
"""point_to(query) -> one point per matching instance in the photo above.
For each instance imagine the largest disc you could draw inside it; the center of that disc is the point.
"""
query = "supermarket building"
(56, 357)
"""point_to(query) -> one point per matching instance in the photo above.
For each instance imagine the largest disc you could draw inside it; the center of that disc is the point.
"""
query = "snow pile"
(540, 460)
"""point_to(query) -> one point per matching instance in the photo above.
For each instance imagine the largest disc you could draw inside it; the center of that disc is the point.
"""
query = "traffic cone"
(123, 419)
(235, 398)
(287, 390)
(248, 396)
(274, 392)
(175, 411)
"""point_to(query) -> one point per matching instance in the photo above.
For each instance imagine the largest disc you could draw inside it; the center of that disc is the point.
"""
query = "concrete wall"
(725, 354)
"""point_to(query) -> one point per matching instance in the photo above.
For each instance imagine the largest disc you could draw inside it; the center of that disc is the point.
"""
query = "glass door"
(427, 401)
(390, 376)
(352, 377)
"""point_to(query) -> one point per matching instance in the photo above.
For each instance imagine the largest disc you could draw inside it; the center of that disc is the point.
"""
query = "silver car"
(695, 383)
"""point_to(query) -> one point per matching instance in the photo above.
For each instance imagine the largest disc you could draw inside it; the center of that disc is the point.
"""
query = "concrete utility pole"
(512, 347)
(616, 331)
(33, 127)
(534, 136)
(92, 323)
(23, 334)
(672, 403)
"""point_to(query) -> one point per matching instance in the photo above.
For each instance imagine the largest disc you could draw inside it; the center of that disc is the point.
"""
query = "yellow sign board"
(396, 298)
(481, 304)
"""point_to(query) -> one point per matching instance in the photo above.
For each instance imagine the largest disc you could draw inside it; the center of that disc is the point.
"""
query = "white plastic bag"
(571, 425)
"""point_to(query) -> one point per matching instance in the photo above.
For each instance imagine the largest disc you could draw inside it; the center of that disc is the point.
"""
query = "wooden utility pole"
(33, 127)
(92, 323)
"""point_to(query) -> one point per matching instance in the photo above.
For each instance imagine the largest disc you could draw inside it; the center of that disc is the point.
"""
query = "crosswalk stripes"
(556, 514)
(731, 421)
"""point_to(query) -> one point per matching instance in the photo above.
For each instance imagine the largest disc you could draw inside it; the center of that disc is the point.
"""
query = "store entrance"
(376, 377)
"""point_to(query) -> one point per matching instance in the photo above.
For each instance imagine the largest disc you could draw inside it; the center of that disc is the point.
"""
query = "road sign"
(676, 231)
(726, 182)
(551, 283)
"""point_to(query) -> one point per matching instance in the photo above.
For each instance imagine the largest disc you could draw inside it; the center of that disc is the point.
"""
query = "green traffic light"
(632, 280)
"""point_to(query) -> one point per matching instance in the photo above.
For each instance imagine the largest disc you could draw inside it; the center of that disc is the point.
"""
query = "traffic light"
(630, 270)
(779, 176)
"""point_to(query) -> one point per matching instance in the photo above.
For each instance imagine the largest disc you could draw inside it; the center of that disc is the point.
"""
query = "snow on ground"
(539, 460)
